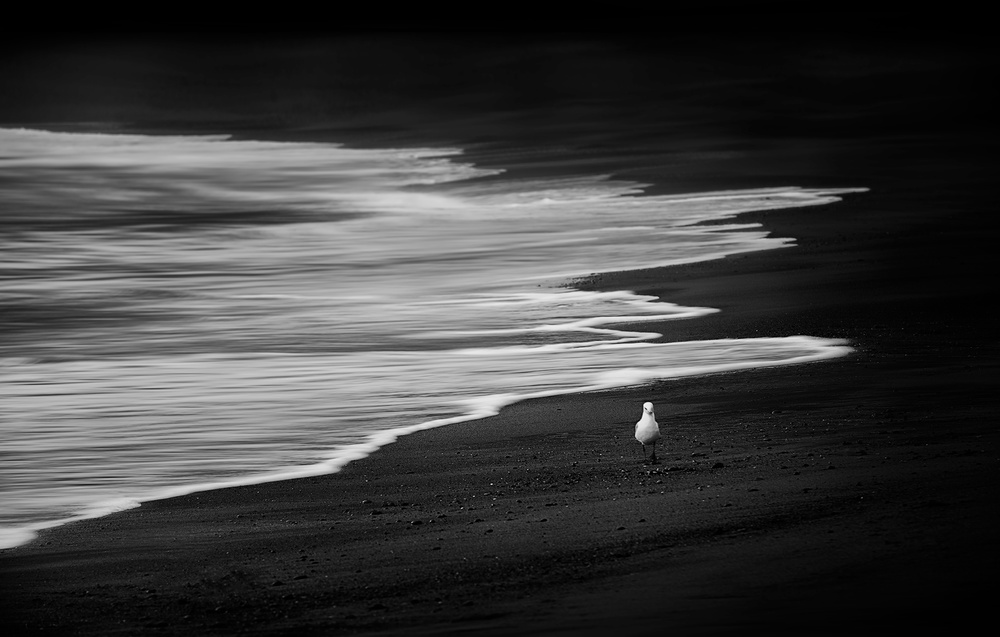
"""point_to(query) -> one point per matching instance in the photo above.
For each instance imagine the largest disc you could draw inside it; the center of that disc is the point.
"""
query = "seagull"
(647, 431)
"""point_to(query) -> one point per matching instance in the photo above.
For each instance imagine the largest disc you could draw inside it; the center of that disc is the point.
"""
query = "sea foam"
(189, 313)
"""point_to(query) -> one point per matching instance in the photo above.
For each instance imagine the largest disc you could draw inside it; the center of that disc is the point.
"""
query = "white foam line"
(482, 407)
(588, 325)
(583, 325)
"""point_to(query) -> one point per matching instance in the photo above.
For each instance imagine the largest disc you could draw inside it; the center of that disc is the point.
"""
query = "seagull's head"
(648, 408)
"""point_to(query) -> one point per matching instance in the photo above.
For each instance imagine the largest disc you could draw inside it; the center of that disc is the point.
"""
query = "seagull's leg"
(643, 451)
(653, 459)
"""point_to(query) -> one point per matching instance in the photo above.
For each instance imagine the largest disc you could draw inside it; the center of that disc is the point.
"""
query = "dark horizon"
(820, 107)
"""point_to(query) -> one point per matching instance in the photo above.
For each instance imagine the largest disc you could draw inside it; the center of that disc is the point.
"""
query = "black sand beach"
(852, 496)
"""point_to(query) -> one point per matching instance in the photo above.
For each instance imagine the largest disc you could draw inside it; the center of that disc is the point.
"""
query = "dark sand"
(854, 496)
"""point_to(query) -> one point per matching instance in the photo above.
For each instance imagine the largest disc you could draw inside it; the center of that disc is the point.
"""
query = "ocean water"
(181, 313)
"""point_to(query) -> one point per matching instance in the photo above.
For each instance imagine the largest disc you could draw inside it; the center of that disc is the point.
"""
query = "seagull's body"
(647, 431)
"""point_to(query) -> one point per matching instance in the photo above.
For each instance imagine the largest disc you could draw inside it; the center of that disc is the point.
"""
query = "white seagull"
(647, 431)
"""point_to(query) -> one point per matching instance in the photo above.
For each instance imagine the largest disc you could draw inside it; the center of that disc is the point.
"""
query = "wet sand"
(854, 496)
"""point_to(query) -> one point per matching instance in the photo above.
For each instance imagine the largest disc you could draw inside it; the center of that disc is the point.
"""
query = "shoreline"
(375, 440)
(379, 439)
